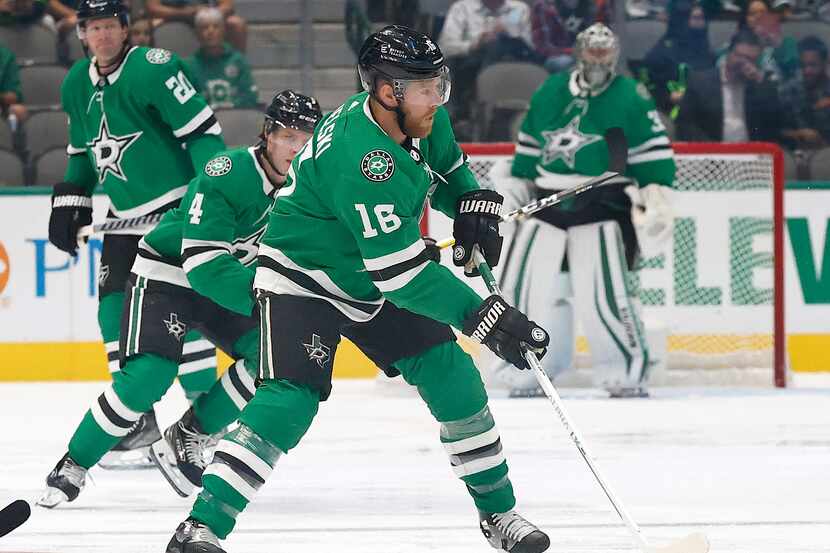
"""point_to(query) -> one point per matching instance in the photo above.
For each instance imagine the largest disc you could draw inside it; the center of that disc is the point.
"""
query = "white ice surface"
(751, 468)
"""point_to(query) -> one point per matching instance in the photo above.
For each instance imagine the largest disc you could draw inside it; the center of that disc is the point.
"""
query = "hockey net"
(715, 297)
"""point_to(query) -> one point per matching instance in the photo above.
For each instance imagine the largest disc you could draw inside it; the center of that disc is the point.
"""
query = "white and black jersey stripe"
(654, 149)
(203, 122)
(151, 265)
(112, 415)
(278, 274)
(197, 252)
(241, 468)
(395, 270)
(527, 145)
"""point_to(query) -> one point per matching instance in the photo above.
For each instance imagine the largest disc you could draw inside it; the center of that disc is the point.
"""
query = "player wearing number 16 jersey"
(343, 254)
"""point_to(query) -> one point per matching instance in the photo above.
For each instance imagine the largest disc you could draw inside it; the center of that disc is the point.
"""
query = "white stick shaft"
(556, 401)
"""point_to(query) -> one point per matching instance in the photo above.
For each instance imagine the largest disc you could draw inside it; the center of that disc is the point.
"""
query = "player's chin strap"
(262, 153)
(399, 114)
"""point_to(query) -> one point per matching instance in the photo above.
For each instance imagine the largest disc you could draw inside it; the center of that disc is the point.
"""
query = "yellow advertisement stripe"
(85, 361)
(809, 352)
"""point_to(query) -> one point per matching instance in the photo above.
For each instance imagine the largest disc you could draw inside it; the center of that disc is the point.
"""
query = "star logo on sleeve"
(318, 351)
(564, 143)
(109, 150)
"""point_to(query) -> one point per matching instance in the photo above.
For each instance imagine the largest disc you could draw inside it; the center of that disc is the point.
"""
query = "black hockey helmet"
(398, 55)
(291, 110)
(100, 9)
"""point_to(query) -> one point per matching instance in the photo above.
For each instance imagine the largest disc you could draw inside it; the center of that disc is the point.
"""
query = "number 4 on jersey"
(195, 210)
(384, 213)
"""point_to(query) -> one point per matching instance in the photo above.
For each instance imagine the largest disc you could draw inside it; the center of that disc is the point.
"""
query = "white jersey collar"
(368, 112)
(95, 77)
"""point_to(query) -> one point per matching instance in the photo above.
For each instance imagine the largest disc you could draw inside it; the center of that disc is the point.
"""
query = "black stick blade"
(16, 513)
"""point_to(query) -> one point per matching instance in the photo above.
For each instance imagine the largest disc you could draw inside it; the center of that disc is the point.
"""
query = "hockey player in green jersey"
(194, 270)
(138, 129)
(343, 254)
(577, 256)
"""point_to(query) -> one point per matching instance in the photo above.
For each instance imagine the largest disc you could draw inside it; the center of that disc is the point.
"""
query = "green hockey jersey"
(209, 243)
(133, 126)
(225, 81)
(345, 227)
(561, 138)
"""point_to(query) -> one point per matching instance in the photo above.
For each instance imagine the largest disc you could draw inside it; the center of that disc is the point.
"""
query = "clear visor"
(425, 92)
(290, 139)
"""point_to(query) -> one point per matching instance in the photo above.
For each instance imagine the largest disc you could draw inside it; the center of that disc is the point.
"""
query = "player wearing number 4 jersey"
(138, 129)
(577, 256)
(343, 254)
(194, 270)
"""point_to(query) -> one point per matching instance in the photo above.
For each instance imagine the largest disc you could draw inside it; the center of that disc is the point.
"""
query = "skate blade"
(693, 543)
(165, 461)
(134, 459)
(51, 498)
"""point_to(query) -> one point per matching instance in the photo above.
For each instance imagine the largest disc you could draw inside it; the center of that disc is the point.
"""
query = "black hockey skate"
(63, 484)
(133, 451)
(511, 532)
(182, 454)
(193, 536)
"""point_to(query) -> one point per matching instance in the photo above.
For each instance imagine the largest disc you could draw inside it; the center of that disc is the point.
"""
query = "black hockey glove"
(71, 210)
(477, 223)
(433, 251)
(504, 330)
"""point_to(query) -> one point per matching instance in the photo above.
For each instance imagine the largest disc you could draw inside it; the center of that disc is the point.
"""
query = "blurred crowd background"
(719, 70)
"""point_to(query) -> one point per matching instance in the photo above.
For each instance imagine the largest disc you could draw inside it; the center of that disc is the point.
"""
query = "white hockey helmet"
(597, 51)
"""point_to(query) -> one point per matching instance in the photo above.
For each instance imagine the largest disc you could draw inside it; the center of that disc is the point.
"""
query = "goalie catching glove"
(652, 216)
(506, 331)
(71, 210)
(477, 215)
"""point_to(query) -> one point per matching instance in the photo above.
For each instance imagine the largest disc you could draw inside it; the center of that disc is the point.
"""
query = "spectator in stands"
(684, 47)
(141, 33)
(807, 97)
(186, 10)
(779, 56)
(220, 72)
(734, 101)
(476, 34)
(21, 12)
(555, 24)
(11, 98)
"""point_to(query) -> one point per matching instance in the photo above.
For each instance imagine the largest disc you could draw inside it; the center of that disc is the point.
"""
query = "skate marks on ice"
(748, 468)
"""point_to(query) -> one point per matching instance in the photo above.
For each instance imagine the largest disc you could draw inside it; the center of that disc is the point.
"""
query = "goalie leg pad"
(531, 279)
(608, 306)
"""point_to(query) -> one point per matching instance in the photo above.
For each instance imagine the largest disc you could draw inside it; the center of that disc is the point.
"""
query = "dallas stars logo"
(377, 165)
(109, 149)
(564, 143)
(317, 351)
(175, 327)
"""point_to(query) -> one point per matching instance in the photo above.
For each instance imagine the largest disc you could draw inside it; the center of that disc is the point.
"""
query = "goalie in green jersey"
(576, 258)
(139, 130)
(343, 255)
(194, 270)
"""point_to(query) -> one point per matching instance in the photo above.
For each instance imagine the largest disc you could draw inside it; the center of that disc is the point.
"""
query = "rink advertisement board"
(48, 300)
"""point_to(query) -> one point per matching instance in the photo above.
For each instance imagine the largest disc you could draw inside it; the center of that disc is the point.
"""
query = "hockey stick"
(13, 515)
(693, 543)
(118, 224)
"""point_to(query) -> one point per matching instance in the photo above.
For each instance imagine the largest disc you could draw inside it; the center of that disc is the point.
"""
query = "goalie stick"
(118, 224)
(13, 515)
(693, 543)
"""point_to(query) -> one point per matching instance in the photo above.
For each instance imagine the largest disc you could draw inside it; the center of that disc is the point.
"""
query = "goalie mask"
(597, 51)
(408, 60)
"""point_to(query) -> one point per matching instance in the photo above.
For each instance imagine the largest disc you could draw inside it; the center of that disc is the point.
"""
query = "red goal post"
(720, 290)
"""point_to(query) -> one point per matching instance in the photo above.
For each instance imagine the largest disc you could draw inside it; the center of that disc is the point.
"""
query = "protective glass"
(425, 92)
